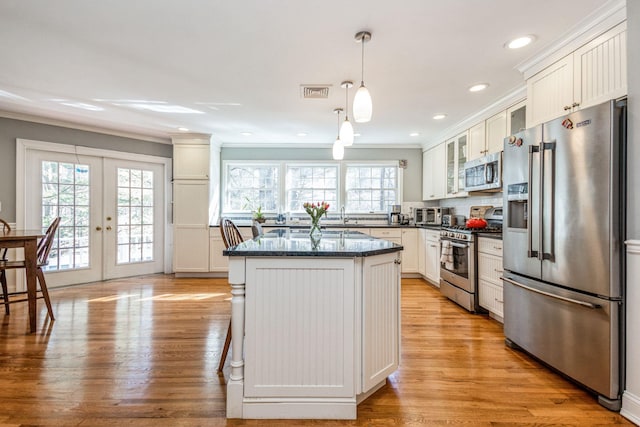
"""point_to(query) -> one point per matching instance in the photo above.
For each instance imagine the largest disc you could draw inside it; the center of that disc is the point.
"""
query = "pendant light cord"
(362, 72)
(346, 98)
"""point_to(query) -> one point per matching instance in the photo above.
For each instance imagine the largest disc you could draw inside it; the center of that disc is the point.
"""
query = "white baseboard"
(631, 407)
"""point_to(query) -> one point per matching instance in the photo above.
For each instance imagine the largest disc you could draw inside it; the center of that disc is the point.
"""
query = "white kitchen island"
(320, 320)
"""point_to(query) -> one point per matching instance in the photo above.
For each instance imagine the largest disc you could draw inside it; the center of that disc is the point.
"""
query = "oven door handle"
(458, 245)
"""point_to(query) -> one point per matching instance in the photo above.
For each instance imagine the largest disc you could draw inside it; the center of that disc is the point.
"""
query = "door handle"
(530, 252)
(549, 294)
(542, 255)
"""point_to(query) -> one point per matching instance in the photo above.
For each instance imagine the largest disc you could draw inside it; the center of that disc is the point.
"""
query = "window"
(249, 186)
(371, 188)
(281, 186)
(311, 183)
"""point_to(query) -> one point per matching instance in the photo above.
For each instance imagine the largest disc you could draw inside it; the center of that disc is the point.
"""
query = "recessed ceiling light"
(478, 87)
(439, 116)
(414, 134)
(301, 134)
(246, 133)
(520, 42)
(181, 129)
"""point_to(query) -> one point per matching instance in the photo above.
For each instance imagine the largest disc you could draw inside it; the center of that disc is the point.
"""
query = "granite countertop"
(286, 242)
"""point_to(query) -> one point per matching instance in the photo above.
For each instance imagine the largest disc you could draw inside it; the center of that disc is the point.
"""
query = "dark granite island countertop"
(297, 243)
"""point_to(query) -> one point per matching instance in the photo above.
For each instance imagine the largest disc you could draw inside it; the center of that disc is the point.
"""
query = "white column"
(235, 386)
(631, 396)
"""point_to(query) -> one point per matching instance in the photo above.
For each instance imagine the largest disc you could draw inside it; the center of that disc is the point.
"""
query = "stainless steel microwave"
(484, 174)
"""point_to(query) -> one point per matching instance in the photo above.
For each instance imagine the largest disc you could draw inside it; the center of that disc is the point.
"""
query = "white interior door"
(133, 221)
(112, 214)
(69, 186)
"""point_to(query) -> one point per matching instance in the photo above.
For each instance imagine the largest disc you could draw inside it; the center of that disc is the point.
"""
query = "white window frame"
(282, 190)
(372, 163)
(227, 163)
(285, 190)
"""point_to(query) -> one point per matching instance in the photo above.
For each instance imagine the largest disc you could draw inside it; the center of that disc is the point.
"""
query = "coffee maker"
(395, 217)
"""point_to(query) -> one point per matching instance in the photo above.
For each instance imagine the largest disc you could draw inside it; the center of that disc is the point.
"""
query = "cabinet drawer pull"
(498, 271)
(432, 246)
(567, 107)
(498, 248)
(499, 300)
(575, 104)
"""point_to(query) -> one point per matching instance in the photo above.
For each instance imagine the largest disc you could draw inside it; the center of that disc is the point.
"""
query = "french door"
(112, 214)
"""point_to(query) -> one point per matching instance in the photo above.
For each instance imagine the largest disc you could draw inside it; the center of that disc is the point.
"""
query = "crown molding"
(602, 19)
(297, 146)
(78, 126)
(517, 95)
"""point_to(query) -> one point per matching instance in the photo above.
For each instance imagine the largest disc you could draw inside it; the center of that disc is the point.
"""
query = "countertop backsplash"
(461, 206)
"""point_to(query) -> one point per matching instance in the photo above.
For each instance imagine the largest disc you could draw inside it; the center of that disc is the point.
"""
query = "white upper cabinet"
(190, 161)
(600, 68)
(496, 133)
(433, 173)
(456, 158)
(594, 73)
(477, 141)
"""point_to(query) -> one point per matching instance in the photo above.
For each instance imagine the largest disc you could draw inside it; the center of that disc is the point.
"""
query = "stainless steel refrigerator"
(563, 246)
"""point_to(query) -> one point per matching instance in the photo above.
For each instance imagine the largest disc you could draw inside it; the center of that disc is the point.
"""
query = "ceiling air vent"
(315, 91)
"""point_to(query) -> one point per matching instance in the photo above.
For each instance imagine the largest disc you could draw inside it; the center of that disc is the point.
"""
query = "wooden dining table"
(28, 240)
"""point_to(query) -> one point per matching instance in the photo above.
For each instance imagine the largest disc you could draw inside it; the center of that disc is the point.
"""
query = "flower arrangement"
(315, 211)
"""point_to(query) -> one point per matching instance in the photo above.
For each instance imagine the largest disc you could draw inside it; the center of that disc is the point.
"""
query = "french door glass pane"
(65, 193)
(135, 216)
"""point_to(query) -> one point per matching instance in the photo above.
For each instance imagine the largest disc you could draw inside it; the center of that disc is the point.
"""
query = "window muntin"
(311, 183)
(249, 186)
(65, 193)
(371, 188)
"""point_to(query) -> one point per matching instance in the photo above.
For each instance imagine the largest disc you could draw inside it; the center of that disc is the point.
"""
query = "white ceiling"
(240, 64)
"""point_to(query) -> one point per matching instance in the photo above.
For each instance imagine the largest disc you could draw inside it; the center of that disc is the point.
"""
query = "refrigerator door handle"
(530, 252)
(548, 294)
(551, 146)
(541, 204)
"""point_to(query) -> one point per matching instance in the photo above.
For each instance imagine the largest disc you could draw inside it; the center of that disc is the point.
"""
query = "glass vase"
(314, 231)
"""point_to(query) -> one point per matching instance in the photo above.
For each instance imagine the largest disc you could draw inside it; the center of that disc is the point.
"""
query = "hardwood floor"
(144, 352)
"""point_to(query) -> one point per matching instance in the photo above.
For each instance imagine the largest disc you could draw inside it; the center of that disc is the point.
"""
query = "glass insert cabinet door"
(457, 149)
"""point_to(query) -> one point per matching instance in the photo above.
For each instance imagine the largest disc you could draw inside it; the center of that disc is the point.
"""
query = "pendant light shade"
(346, 130)
(362, 104)
(346, 133)
(338, 146)
(338, 150)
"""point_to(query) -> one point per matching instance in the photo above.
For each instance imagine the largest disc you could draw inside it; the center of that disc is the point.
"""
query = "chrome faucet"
(342, 215)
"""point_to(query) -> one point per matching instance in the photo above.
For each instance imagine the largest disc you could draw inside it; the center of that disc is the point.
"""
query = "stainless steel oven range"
(457, 267)
(458, 280)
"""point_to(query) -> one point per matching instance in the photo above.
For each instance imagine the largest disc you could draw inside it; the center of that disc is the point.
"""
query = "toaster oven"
(430, 216)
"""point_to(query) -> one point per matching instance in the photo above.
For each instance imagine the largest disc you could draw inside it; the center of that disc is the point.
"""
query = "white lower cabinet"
(410, 252)
(422, 251)
(432, 256)
(489, 273)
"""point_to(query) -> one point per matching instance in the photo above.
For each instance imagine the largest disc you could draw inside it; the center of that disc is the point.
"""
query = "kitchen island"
(320, 320)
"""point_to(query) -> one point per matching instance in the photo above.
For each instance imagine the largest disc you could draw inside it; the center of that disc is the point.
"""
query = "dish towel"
(446, 257)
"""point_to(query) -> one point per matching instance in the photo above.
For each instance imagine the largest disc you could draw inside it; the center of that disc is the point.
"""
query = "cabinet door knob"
(98, 228)
(567, 107)
(397, 261)
(575, 104)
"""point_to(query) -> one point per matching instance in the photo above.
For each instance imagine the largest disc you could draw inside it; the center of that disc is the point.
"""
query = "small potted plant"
(258, 215)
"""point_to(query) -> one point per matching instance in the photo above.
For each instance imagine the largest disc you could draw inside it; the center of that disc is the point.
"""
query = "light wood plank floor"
(143, 352)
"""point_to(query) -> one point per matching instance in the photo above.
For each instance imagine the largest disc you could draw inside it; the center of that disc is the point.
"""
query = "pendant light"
(338, 146)
(362, 105)
(346, 130)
